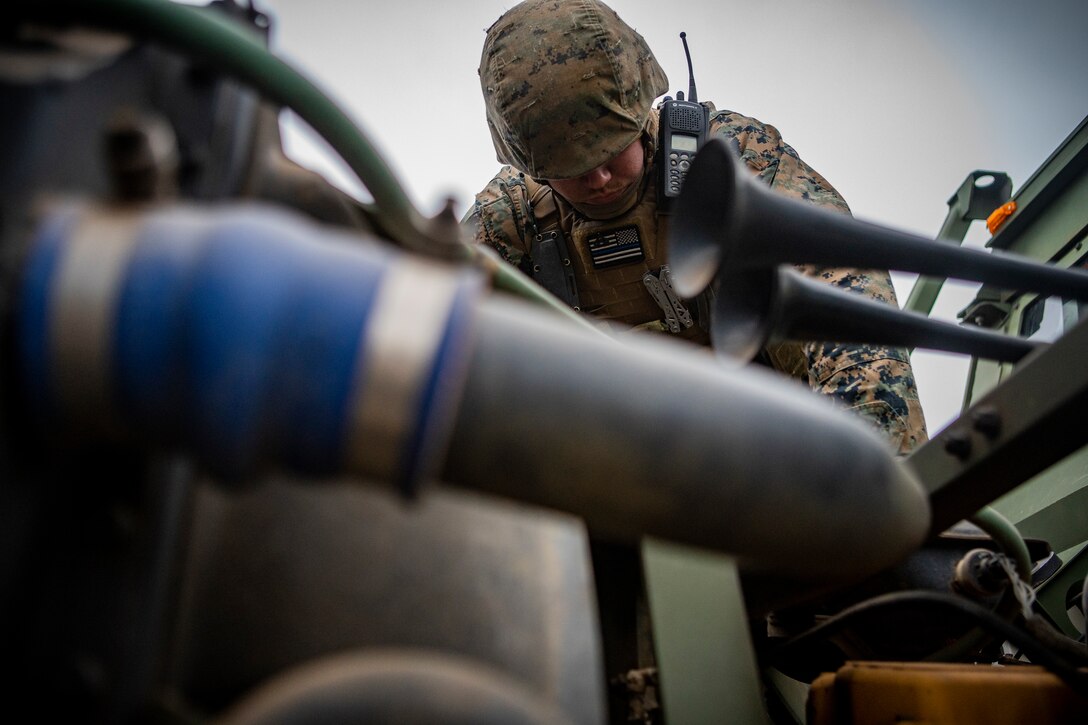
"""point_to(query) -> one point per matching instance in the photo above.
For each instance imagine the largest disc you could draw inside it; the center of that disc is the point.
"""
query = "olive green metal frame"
(1021, 438)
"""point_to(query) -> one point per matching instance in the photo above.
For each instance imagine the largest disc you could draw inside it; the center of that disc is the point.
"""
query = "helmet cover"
(567, 86)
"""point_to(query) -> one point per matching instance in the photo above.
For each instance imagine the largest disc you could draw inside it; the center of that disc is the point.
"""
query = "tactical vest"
(610, 259)
(608, 267)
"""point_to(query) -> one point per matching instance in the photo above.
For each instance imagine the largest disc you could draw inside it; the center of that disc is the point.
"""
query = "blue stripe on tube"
(441, 392)
(237, 332)
(33, 316)
(239, 335)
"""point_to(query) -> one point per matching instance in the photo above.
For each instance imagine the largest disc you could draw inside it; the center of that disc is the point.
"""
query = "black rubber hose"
(984, 618)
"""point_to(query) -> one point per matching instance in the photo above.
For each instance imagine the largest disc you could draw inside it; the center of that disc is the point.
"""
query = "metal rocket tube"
(246, 334)
(255, 339)
(652, 437)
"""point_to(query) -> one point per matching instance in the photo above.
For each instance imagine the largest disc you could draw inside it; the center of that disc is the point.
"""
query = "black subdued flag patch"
(615, 246)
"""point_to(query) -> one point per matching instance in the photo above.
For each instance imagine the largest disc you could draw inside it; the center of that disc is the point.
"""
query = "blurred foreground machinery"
(270, 454)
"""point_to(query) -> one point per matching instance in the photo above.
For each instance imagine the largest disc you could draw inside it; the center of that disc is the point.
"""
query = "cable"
(984, 618)
(506, 277)
(1001, 530)
(1048, 635)
(1019, 594)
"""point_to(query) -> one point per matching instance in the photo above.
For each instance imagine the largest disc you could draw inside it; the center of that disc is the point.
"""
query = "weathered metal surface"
(281, 573)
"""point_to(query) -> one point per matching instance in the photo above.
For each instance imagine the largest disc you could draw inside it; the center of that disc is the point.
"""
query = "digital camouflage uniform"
(536, 120)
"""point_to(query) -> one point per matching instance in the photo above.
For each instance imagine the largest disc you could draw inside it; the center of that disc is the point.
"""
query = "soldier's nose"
(597, 178)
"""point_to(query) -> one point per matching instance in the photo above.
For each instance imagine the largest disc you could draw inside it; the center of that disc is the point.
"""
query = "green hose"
(1001, 530)
(228, 47)
(510, 279)
(240, 53)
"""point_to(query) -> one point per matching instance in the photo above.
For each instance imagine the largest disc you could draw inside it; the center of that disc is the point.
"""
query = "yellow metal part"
(872, 693)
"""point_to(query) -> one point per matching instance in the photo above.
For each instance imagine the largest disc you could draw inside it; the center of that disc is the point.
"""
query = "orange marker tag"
(999, 215)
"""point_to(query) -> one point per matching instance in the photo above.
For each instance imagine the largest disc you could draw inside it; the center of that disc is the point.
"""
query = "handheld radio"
(681, 131)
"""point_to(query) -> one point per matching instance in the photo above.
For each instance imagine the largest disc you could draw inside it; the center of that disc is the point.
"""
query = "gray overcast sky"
(894, 101)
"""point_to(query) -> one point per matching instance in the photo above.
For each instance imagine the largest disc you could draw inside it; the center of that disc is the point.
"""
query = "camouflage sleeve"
(502, 218)
(875, 382)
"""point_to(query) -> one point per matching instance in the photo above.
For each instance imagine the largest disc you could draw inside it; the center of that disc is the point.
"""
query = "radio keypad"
(679, 162)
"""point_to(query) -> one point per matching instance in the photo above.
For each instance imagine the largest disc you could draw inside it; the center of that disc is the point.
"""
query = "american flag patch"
(615, 246)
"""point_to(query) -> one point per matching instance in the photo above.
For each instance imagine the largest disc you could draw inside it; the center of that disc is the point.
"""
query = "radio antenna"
(691, 74)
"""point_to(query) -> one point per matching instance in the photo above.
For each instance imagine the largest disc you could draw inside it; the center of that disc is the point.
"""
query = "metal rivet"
(958, 445)
(987, 422)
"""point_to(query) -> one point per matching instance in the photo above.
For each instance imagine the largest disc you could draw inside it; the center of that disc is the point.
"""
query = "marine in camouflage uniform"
(568, 87)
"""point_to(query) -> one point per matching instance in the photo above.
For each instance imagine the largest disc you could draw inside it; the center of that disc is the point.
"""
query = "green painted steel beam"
(979, 194)
(1019, 429)
(706, 662)
(1054, 505)
(1049, 184)
(1050, 224)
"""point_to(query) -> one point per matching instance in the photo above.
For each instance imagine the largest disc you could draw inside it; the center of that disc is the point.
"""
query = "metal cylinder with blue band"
(247, 334)
(252, 338)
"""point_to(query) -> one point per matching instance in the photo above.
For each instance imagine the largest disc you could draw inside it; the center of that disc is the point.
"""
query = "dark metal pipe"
(726, 219)
(755, 307)
(655, 438)
(393, 686)
(253, 338)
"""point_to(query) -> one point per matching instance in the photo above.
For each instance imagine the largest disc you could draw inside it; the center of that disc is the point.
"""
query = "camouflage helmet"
(567, 85)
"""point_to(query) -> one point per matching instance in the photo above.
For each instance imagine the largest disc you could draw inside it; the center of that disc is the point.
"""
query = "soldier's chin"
(610, 197)
(622, 203)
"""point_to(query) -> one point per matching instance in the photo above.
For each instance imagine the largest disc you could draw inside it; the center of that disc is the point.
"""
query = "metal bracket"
(1022, 427)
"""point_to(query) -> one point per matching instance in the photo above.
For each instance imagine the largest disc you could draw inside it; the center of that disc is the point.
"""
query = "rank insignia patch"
(615, 246)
